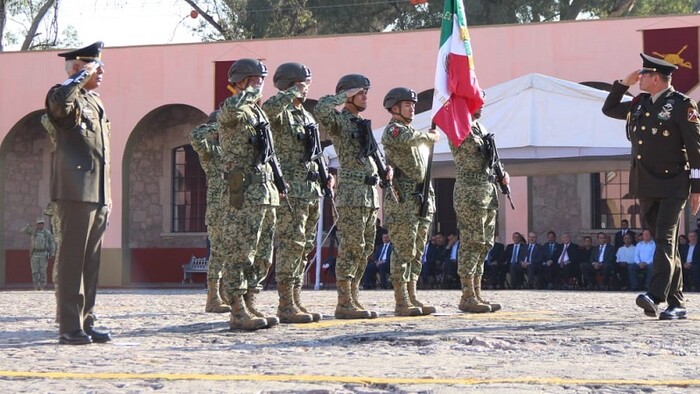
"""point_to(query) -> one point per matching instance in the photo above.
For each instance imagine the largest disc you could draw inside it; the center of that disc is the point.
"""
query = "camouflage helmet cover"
(243, 68)
(397, 95)
(352, 81)
(287, 74)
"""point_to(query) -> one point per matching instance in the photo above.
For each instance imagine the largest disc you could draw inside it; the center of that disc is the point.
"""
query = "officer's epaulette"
(678, 94)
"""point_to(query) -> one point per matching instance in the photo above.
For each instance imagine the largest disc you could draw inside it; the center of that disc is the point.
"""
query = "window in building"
(612, 201)
(189, 191)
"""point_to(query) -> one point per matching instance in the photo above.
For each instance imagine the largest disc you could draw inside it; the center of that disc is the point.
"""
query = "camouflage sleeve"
(52, 243)
(50, 129)
(28, 230)
(326, 113)
(689, 123)
(395, 134)
(230, 115)
(275, 105)
(199, 137)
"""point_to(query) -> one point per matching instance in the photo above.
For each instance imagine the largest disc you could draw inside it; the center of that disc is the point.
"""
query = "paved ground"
(541, 342)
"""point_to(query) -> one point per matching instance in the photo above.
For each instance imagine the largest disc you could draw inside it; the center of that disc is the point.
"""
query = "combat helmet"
(287, 74)
(244, 68)
(397, 95)
(352, 81)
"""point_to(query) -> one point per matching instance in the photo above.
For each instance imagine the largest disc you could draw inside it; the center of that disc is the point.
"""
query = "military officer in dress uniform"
(80, 186)
(664, 128)
(401, 143)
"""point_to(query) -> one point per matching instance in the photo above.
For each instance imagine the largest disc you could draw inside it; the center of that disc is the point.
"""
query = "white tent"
(540, 117)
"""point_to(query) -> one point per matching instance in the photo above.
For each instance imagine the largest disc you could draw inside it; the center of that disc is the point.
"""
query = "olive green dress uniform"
(475, 204)
(81, 189)
(41, 248)
(357, 201)
(251, 193)
(665, 137)
(401, 145)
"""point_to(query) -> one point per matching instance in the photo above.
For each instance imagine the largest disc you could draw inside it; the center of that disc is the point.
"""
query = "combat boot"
(346, 309)
(468, 302)
(297, 301)
(241, 318)
(355, 292)
(412, 289)
(477, 292)
(287, 310)
(403, 305)
(249, 299)
(214, 302)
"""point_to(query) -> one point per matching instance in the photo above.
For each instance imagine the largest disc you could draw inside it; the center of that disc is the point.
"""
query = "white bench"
(196, 265)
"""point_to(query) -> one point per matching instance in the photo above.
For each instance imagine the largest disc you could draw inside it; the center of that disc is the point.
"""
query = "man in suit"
(496, 264)
(620, 235)
(530, 264)
(664, 128)
(690, 257)
(565, 266)
(601, 262)
(380, 263)
(552, 250)
(80, 187)
(515, 253)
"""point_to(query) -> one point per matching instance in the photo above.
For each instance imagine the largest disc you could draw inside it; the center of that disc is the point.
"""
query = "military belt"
(479, 177)
(356, 176)
(252, 178)
(301, 174)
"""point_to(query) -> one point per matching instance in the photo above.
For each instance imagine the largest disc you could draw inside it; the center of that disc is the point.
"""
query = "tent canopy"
(540, 117)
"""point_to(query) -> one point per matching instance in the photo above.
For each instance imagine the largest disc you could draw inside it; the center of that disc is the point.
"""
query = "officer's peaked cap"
(652, 64)
(90, 53)
(397, 95)
(243, 68)
(352, 81)
(287, 74)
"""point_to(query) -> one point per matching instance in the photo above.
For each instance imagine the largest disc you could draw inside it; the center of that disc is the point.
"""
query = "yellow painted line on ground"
(344, 379)
(509, 316)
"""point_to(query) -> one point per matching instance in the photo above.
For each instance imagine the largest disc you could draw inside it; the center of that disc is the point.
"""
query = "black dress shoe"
(650, 307)
(673, 313)
(78, 337)
(98, 336)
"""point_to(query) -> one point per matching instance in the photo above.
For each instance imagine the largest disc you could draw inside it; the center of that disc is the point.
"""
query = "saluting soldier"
(296, 134)
(251, 195)
(664, 128)
(205, 141)
(358, 199)
(41, 248)
(81, 189)
(401, 144)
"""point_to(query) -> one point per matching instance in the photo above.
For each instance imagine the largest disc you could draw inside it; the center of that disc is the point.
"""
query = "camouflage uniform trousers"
(424, 225)
(296, 232)
(402, 223)
(40, 262)
(256, 274)
(356, 241)
(246, 243)
(56, 229)
(476, 222)
(215, 231)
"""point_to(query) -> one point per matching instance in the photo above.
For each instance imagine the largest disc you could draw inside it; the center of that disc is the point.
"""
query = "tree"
(238, 19)
(38, 25)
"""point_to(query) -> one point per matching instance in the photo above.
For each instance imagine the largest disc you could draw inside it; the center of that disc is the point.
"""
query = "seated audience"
(643, 261)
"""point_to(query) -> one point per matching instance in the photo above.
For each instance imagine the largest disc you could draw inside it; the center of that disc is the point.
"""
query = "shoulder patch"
(693, 116)
(395, 131)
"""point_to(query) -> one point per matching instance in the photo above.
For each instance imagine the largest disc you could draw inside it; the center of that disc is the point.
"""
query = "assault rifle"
(314, 153)
(268, 155)
(422, 192)
(494, 161)
(371, 150)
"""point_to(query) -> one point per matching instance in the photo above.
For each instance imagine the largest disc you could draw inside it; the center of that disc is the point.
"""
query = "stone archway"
(25, 159)
(152, 252)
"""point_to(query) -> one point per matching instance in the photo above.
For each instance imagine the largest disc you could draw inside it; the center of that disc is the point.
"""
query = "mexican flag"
(457, 93)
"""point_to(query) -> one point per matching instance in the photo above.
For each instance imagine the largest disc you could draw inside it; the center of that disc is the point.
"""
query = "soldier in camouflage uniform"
(475, 203)
(42, 248)
(401, 142)
(251, 195)
(358, 199)
(296, 230)
(205, 141)
(51, 212)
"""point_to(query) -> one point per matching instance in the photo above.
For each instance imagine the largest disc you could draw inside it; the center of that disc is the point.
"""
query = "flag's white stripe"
(454, 45)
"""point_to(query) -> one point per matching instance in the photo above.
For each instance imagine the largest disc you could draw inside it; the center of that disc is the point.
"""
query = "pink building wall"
(140, 79)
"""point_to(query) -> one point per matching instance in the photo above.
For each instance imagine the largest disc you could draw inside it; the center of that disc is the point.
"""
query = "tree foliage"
(36, 22)
(238, 19)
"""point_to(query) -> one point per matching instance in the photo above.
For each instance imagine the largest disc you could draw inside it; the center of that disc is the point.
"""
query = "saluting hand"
(632, 78)
(694, 203)
(91, 67)
(351, 92)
